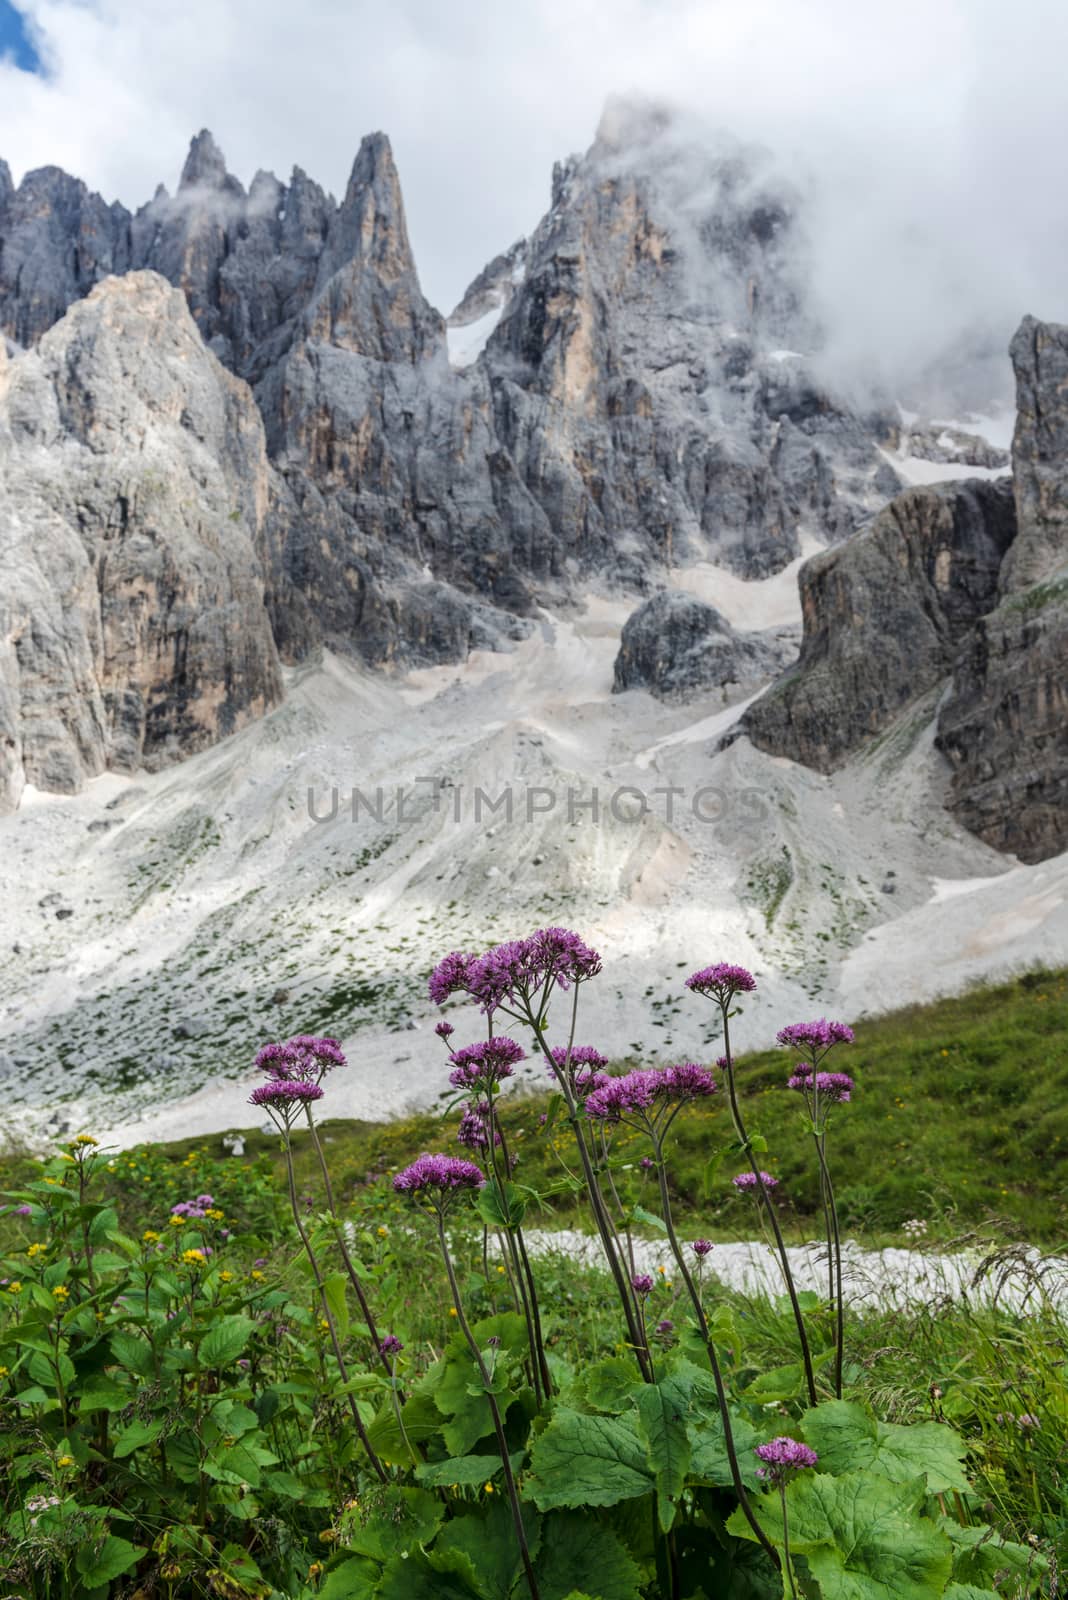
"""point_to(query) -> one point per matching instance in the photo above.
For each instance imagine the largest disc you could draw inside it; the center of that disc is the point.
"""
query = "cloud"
(930, 135)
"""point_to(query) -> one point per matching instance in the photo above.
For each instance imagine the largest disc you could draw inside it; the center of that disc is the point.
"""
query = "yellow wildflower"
(452, 1311)
(150, 1236)
(65, 1461)
(193, 1258)
(14, 1287)
(225, 1277)
(35, 1249)
(383, 1233)
(489, 1488)
(85, 1138)
(61, 1292)
(177, 1222)
(4, 1371)
(257, 1276)
(215, 1214)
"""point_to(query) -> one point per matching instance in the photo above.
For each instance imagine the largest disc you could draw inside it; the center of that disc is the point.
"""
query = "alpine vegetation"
(186, 1404)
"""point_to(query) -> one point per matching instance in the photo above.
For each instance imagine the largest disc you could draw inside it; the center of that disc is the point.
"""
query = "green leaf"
(968, 1591)
(103, 1225)
(470, 1418)
(485, 1551)
(863, 1537)
(464, 1470)
(709, 1461)
(662, 1411)
(334, 1293)
(612, 1385)
(414, 1578)
(238, 1463)
(577, 1553)
(223, 1344)
(848, 1439)
(780, 1383)
(402, 1520)
(103, 1394)
(355, 1579)
(650, 1219)
(587, 1461)
(133, 1353)
(100, 1564)
(501, 1206)
(135, 1436)
(982, 1556)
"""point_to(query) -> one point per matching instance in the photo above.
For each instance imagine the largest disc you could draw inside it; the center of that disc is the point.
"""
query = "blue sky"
(14, 40)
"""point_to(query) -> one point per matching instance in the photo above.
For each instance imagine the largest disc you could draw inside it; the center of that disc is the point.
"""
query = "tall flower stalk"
(283, 1099)
(307, 1058)
(723, 983)
(649, 1101)
(781, 1459)
(434, 1183)
(519, 979)
(822, 1090)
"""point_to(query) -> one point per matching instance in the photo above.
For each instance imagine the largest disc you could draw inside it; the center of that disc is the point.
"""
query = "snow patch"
(467, 343)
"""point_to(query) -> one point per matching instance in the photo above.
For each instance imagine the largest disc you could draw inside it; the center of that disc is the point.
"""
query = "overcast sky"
(940, 125)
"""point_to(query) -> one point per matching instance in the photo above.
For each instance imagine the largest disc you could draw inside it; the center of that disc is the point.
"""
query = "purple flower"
(391, 1345)
(837, 1086)
(283, 1097)
(721, 982)
(305, 1057)
(438, 1177)
(244, 1363)
(642, 1283)
(206, 1200)
(633, 1094)
(815, 1037)
(515, 972)
(782, 1457)
(24, 1211)
(474, 1127)
(444, 1030)
(701, 1247)
(647, 1163)
(747, 1181)
(482, 1066)
(666, 1326)
(449, 977)
(273, 1059)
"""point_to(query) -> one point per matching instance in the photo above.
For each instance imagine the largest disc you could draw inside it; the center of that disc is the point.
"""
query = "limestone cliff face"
(676, 646)
(1004, 724)
(134, 493)
(883, 617)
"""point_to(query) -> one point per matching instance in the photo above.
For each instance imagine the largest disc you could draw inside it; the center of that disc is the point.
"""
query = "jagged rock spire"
(205, 165)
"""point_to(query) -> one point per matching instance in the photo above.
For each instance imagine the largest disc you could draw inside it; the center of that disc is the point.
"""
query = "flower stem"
(834, 1243)
(713, 1359)
(498, 1424)
(339, 1232)
(787, 1563)
(327, 1313)
(780, 1243)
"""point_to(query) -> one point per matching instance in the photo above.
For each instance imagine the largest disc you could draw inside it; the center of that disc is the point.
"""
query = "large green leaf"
(968, 1591)
(847, 1439)
(981, 1556)
(578, 1553)
(862, 1536)
(414, 1578)
(464, 1470)
(355, 1579)
(587, 1461)
(612, 1385)
(662, 1411)
(136, 1436)
(223, 1343)
(485, 1550)
(709, 1461)
(133, 1353)
(501, 1206)
(402, 1519)
(780, 1383)
(469, 1416)
(100, 1564)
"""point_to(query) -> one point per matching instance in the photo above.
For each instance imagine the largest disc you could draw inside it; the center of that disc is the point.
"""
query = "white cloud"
(939, 127)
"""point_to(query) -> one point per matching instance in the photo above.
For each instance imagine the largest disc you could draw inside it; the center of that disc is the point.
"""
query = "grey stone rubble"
(887, 1279)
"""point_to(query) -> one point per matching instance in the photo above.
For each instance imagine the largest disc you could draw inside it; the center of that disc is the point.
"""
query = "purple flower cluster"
(304, 1058)
(483, 1066)
(285, 1095)
(815, 1037)
(438, 1177)
(748, 1182)
(584, 1066)
(513, 973)
(193, 1209)
(390, 1345)
(474, 1127)
(835, 1088)
(701, 1247)
(635, 1093)
(721, 982)
(642, 1283)
(782, 1457)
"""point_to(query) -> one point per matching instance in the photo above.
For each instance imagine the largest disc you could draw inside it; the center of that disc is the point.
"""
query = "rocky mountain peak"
(205, 166)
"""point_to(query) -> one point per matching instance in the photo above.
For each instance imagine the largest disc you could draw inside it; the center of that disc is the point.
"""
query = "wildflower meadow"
(215, 1383)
